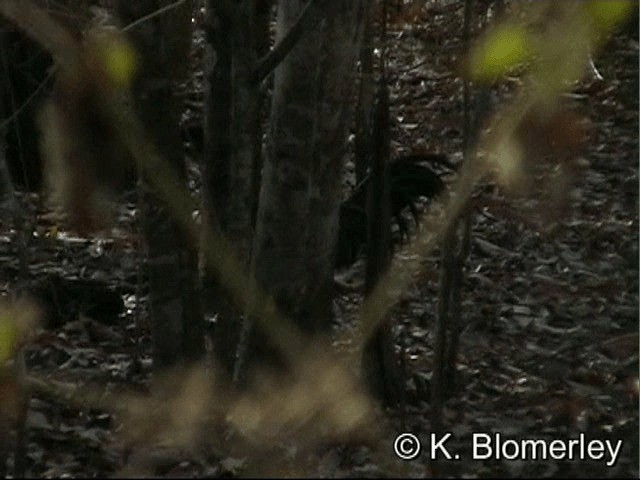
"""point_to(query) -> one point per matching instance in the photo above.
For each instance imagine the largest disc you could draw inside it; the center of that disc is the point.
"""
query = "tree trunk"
(379, 364)
(298, 211)
(262, 45)
(231, 129)
(364, 111)
(215, 168)
(163, 42)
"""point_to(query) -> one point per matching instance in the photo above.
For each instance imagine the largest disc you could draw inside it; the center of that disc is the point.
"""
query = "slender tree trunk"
(163, 42)
(231, 133)
(215, 167)
(262, 43)
(364, 111)
(243, 128)
(379, 365)
(455, 251)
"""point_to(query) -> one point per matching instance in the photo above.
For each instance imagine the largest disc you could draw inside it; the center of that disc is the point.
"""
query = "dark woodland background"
(211, 268)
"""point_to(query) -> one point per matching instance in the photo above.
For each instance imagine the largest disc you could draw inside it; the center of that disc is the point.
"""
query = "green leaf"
(8, 338)
(116, 56)
(606, 14)
(505, 48)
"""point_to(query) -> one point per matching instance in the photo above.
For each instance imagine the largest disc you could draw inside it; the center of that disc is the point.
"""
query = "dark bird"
(409, 179)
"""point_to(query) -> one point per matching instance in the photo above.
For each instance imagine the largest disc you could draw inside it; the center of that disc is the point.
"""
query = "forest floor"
(549, 346)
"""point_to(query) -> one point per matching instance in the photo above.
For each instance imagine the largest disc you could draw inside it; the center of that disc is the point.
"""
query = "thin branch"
(160, 11)
(271, 60)
(28, 101)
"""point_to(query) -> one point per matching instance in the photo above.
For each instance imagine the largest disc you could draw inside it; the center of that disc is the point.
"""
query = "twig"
(26, 103)
(158, 12)
(271, 60)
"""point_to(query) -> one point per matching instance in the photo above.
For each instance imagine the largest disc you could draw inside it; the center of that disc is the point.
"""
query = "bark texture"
(298, 212)
(163, 43)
